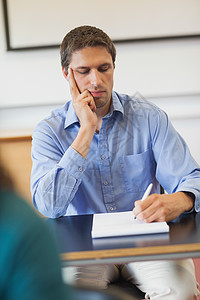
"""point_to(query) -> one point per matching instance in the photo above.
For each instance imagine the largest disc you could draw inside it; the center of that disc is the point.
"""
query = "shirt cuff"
(192, 196)
(73, 162)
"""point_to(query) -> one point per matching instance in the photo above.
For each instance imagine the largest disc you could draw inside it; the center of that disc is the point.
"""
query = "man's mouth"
(97, 94)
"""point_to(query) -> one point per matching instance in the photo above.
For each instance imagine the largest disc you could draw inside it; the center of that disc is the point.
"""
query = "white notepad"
(123, 223)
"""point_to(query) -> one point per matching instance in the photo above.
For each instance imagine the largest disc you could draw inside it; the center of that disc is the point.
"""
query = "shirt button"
(80, 169)
(102, 156)
(111, 208)
(106, 182)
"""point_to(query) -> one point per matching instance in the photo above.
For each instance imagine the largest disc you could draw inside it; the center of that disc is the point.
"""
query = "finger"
(143, 209)
(91, 102)
(151, 209)
(72, 84)
(148, 217)
(88, 99)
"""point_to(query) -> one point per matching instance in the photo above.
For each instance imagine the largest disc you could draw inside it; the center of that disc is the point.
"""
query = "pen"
(146, 193)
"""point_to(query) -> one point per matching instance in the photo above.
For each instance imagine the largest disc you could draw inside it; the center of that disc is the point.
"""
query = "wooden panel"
(16, 157)
(126, 252)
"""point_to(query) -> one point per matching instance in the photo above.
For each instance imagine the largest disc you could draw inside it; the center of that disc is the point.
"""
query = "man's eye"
(103, 69)
(83, 71)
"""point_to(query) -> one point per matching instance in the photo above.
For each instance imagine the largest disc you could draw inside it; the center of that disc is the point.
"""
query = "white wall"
(166, 72)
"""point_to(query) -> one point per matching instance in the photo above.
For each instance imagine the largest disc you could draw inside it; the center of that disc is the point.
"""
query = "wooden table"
(73, 235)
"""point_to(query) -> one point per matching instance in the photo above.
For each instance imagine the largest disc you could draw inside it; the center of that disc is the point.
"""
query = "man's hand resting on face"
(84, 107)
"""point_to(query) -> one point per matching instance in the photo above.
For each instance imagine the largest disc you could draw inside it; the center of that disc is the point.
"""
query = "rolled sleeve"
(54, 188)
(73, 162)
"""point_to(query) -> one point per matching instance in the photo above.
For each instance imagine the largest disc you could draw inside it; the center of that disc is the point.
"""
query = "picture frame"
(41, 24)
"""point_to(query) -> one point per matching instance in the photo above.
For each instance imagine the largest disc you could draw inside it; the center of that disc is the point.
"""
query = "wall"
(166, 72)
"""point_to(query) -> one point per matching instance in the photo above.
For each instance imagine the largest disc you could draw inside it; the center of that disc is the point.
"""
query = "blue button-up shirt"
(136, 145)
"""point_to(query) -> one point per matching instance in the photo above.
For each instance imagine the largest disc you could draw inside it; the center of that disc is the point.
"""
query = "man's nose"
(95, 77)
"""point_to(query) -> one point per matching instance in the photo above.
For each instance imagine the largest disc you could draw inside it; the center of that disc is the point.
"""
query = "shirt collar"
(116, 105)
(71, 116)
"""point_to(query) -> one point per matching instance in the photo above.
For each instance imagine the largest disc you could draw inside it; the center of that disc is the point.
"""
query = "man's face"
(93, 71)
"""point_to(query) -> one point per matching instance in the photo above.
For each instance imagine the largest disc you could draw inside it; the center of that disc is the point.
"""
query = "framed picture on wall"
(37, 24)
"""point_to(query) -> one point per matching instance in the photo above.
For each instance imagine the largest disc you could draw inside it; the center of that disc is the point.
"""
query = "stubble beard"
(99, 102)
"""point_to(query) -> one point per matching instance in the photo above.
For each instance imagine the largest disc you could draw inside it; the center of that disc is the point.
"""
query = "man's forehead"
(89, 55)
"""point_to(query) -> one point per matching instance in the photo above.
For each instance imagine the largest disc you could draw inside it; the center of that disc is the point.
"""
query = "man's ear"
(65, 74)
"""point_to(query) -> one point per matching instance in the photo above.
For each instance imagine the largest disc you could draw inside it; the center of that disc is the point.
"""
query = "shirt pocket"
(138, 170)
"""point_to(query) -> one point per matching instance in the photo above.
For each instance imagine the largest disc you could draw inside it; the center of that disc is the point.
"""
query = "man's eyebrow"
(85, 67)
(104, 65)
(81, 68)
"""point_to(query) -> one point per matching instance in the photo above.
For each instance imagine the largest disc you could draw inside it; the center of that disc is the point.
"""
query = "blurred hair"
(5, 180)
(82, 37)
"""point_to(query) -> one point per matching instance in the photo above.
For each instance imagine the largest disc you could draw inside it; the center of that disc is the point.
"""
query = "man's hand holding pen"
(160, 208)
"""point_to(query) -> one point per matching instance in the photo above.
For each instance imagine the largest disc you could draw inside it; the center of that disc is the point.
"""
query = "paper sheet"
(123, 223)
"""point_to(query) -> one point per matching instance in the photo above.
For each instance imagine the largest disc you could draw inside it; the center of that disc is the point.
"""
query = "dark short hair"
(82, 37)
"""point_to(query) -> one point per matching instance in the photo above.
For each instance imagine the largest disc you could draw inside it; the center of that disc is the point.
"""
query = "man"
(99, 153)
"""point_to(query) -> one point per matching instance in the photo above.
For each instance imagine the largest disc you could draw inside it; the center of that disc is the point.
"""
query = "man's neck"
(99, 123)
(102, 112)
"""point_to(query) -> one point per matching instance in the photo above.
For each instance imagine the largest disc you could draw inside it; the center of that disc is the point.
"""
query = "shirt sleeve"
(56, 174)
(176, 169)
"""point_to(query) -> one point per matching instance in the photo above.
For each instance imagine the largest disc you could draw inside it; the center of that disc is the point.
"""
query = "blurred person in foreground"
(29, 261)
(100, 151)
